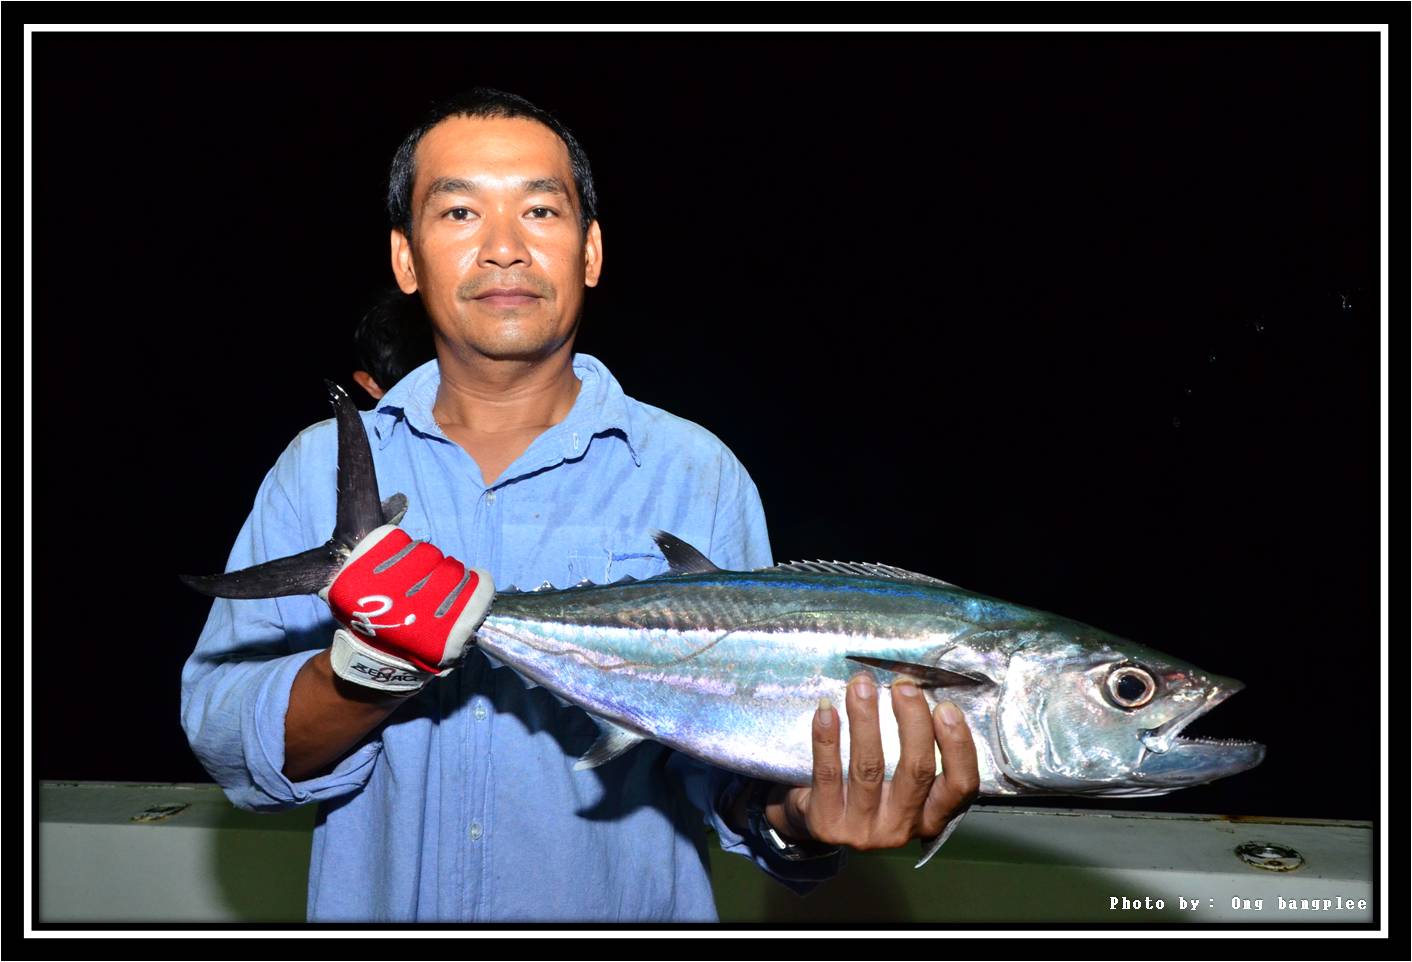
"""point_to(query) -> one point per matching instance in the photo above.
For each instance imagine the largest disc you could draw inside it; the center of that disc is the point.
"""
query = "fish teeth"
(1202, 740)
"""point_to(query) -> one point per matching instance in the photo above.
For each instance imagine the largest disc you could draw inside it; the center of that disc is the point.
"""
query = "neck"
(490, 396)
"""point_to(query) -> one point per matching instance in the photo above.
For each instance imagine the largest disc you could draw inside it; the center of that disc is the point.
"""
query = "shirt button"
(490, 497)
(476, 832)
(480, 713)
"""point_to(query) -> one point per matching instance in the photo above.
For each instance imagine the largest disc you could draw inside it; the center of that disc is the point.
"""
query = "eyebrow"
(460, 185)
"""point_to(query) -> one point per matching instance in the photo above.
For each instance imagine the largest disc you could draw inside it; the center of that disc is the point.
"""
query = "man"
(459, 801)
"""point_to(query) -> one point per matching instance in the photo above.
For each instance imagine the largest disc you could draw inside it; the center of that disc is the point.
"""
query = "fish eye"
(1131, 687)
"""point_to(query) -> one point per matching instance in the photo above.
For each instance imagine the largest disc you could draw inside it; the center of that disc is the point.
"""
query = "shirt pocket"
(565, 553)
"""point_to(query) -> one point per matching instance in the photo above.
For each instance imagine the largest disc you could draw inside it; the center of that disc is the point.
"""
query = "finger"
(866, 765)
(441, 581)
(916, 765)
(822, 807)
(960, 780)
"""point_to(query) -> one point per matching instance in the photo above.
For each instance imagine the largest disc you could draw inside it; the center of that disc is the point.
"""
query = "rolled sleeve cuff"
(800, 877)
(264, 746)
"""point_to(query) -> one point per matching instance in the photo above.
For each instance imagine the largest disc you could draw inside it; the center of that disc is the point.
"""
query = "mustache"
(471, 289)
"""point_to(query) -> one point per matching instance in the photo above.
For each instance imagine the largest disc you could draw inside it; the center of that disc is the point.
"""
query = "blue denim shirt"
(464, 805)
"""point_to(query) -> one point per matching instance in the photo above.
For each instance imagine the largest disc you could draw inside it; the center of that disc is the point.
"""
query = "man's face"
(494, 209)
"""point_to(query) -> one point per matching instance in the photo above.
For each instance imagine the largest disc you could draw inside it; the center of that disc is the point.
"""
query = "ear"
(402, 266)
(593, 255)
(366, 382)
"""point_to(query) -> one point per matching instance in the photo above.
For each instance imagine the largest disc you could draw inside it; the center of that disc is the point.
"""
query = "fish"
(729, 666)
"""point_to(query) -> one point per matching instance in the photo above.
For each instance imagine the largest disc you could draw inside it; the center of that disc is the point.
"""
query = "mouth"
(1194, 759)
(507, 297)
(1163, 738)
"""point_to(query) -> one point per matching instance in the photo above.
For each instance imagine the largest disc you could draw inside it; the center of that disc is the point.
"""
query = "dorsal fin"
(682, 557)
(860, 569)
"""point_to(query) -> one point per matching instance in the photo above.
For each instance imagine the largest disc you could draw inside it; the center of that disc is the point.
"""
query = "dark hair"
(393, 338)
(482, 102)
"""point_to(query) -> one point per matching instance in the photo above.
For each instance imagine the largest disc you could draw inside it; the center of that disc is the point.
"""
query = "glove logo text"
(362, 620)
(384, 674)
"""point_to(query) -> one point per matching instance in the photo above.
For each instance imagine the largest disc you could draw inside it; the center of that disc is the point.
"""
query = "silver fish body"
(730, 666)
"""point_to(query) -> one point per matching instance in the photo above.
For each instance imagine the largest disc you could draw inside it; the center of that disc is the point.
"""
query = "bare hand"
(869, 812)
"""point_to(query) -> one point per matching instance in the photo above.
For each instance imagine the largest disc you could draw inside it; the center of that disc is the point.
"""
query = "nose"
(1223, 688)
(503, 245)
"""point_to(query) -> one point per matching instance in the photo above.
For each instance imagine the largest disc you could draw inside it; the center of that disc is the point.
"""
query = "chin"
(509, 338)
(523, 348)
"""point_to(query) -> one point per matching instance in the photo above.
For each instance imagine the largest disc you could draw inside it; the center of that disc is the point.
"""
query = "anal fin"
(930, 846)
(613, 741)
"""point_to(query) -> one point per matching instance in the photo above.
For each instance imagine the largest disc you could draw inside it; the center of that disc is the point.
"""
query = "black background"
(1084, 321)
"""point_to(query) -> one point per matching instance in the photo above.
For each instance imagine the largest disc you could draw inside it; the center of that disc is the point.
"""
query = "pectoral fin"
(925, 675)
(612, 742)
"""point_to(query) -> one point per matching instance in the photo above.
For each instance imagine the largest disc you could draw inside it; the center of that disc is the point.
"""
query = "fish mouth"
(1164, 737)
(1177, 760)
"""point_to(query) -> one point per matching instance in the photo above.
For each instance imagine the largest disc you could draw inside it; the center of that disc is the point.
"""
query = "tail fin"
(358, 508)
(299, 574)
(358, 513)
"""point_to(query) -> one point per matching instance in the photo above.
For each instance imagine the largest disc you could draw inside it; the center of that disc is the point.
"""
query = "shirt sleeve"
(740, 541)
(235, 686)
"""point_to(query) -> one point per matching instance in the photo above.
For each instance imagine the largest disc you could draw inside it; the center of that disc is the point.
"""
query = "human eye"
(459, 214)
(542, 213)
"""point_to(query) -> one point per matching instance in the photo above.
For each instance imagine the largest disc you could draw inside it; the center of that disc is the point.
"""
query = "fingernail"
(863, 686)
(905, 687)
(825, 712)
(950, 714)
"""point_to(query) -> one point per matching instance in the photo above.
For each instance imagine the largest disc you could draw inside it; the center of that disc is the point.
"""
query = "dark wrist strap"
(757, 795)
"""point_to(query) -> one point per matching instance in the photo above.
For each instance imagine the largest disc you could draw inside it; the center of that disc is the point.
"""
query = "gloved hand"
(408, 611)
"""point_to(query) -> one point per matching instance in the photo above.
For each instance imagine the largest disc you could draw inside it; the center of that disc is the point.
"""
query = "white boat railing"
(134, 853)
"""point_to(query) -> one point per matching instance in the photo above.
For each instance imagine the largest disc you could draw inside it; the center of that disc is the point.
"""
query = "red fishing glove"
(408, 611)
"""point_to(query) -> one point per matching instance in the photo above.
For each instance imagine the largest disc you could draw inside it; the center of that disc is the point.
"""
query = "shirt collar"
(601, 408)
